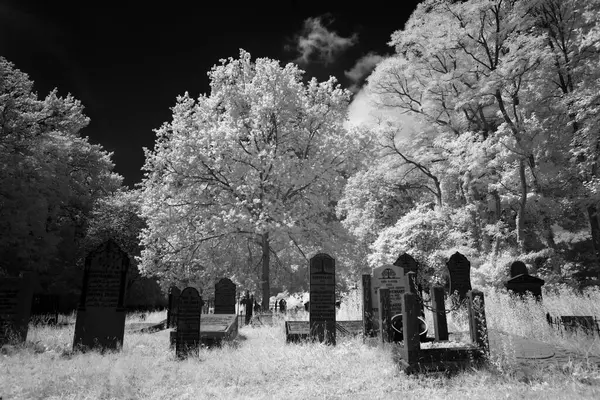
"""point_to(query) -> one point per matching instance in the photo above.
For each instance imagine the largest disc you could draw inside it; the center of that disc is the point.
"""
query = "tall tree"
(263, 158)
(49, 175)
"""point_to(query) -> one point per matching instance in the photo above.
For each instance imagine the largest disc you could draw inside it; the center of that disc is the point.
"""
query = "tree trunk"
(522, 203)
(266, 259)
(592, 211)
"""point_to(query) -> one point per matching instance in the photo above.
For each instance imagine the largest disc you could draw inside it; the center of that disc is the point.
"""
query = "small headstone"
(225, 297)
(174, 294)
(100, 320)
(282, 305)
(389, 277)
(518, 268)
(459, 268)
(188, 323)
(16, 295)
(322, 298)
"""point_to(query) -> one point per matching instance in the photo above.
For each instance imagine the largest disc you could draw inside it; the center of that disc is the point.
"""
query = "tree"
(261, 160)
(49, 176)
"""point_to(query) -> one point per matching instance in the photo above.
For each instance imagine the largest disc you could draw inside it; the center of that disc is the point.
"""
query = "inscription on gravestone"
(15, 307)
(100, 320)
(174, 294)
(322, 298)
(188, 323)
(225, 297)
(389, 277)
(459, 268)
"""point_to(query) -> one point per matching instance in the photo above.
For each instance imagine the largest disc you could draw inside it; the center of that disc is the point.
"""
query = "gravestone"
(322, 298)
(389, 277)
(459, 268)
(100, 320)
(16, 294)
(187, 340)
(518, 268)
(225, 297)
(174, 294)
(522, 282)
(407, 263)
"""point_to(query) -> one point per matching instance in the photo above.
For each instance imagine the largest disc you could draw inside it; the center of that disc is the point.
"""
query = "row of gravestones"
(224, 302)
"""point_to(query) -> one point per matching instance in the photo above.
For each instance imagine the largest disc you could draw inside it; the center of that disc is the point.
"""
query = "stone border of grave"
(414, 359)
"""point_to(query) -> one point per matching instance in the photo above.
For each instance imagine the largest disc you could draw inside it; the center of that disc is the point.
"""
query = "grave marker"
(459, 268)
(389, 277)
(174, 294)
(518, 268)
(16, 295)
(101, 313)
(225, 297)
(188, 323)
(322, 298)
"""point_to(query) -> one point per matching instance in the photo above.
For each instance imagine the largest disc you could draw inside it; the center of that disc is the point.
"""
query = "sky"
(128, 61)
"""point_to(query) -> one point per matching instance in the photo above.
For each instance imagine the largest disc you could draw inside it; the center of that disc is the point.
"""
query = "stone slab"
(216, 328)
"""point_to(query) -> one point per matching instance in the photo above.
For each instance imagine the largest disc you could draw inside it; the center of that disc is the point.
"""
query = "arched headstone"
(459, 268)
(225, 297)
(100, 320)
(518, 268)
(188, 323)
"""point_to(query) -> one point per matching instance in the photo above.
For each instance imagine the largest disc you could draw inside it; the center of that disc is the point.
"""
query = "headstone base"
(99, 328)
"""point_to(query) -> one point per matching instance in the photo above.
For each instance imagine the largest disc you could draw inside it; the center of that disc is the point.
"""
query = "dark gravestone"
(518, 268)
(188, 323)
(407, 263)
(521, 282)
(100, 320)
(322, 298)
(282, 305)
(367, 316)
(15, 307)
(174, 294)
(225, 297)
(459, 268)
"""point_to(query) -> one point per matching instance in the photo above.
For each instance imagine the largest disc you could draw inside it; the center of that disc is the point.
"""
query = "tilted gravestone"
(16, 294)
(187, 340)
(100, 320)
(225, 297)
(459, 268)
(174, 294)
(322, 298)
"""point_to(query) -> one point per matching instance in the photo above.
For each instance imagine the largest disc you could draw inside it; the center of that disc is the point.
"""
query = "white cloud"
(316, 42)
(362, 111)
(361, 69)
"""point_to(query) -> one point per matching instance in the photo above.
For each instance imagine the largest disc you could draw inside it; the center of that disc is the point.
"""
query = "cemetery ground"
(259, 364)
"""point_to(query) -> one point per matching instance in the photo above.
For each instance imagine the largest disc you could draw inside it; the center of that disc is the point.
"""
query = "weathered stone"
(100, 320)
(322, 298)
(225, 297)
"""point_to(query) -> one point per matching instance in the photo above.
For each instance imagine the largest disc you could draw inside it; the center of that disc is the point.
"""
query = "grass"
(260, 365)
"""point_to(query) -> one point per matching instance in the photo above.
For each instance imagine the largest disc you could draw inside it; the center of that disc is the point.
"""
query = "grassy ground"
(260, 365)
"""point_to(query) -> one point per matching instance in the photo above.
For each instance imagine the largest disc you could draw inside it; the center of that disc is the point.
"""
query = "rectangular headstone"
(225, 297)
(100, 320)
(188, 323)
(15, 308)
(322, 298)
(174, 294)
(389, 277)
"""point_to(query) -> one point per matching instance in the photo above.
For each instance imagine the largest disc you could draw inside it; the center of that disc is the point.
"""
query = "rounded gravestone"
(518, 268)
(188, 323)
(459, 268)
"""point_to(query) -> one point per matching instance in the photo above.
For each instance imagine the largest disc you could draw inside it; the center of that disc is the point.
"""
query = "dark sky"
(127, 61)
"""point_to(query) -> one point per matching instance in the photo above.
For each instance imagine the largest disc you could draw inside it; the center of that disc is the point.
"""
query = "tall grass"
(260, 365)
